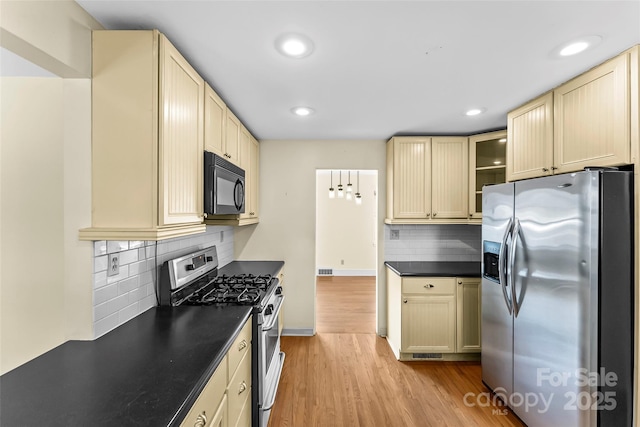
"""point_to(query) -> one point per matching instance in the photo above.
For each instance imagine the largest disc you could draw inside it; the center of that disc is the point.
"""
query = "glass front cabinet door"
(487, 156)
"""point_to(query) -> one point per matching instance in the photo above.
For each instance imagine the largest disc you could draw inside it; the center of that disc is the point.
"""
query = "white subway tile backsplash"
(132, 291)
(433, 243)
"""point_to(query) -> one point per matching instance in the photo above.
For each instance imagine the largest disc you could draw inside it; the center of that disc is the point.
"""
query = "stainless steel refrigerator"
(557, 298)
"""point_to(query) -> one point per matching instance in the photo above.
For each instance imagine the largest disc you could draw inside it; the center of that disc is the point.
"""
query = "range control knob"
(191, 267)
(268, 310)
(279, 290)
(209, 258)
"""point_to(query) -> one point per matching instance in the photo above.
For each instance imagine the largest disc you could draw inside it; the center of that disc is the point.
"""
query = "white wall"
(45, 178)
(288, 215)
(346, 233)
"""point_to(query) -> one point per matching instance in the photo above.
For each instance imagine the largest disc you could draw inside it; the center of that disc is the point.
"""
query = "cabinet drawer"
(239, 348)
(429, 285)
(239, 388)
(205, 406)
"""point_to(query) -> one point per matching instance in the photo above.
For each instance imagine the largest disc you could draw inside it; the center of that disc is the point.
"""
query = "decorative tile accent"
(132, 291)
(437, 242)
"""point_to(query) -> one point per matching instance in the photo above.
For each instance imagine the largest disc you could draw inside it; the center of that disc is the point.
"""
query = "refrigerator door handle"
(502, 258)
(512, 260)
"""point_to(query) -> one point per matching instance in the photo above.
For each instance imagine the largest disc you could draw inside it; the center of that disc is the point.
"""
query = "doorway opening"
(346, 251)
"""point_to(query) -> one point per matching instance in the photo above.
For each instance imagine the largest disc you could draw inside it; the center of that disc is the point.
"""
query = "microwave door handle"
(238, 194)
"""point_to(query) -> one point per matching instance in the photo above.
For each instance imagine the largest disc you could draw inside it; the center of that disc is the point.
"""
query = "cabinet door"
(215, 122)
(411, 177)
(428, 324)
(449, 177)
(530, 139)
(592, 118)
(232, 140)
(245, 163)
(220, 417)
(487, 165)
(181, 139)
(254, 155)
(468, 316)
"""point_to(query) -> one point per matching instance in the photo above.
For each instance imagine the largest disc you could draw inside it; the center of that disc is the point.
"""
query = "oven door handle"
(274, 316)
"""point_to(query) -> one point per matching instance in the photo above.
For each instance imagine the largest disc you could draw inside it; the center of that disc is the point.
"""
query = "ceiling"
(380, 68)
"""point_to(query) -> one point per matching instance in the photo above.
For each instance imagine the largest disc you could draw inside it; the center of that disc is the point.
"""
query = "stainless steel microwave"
(223, 186)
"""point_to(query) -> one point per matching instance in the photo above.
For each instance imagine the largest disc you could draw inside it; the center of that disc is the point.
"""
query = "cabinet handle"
(205, 215)
(428, 286)
(242, 345)
(428, 215)
(201, 421)
(545, 169)
(404, 301)
(243, 387)
(553, 168)
(434, 214)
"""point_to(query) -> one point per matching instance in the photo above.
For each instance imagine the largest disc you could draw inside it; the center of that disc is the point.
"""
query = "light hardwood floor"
(351, 378)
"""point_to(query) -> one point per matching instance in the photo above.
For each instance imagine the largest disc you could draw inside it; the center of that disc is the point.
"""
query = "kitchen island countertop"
(435, 268)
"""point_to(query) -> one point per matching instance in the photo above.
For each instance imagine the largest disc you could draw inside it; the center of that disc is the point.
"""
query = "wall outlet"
(114, 265)
(395, 234)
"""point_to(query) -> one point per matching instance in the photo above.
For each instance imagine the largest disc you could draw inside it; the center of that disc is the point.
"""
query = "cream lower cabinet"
(427, 180)
(226, 399)
(147, 139)
(432, 317)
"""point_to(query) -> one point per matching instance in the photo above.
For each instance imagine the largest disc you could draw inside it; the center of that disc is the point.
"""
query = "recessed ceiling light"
(302, 111)
(474, 111)
(576, 46)
(294, 45)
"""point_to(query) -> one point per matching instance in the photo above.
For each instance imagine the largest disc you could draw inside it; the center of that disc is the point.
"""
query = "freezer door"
(497, 322)
(555, 271)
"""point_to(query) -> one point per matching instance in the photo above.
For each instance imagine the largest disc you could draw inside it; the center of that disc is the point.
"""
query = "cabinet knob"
(459, 282)
(553, 168)
(428, 286)
(404, 301)
(545, 169)
(201, 421)
(243, 387)
(242, 345)
(434, 214)
(428, 215)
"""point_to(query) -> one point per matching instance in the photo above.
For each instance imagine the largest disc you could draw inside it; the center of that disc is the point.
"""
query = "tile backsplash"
(119, 298)
(432, 242)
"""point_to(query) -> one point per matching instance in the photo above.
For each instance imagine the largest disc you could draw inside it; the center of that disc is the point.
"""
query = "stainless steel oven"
(194, 279)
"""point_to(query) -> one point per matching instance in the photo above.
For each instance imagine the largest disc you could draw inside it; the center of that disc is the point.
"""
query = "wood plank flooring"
(346, 305)
(349, 379)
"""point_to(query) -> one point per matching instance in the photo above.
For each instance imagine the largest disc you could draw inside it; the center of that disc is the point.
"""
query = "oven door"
(271, 361)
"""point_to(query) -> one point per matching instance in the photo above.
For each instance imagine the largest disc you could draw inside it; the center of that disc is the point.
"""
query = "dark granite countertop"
(148, 371)
(435, 268)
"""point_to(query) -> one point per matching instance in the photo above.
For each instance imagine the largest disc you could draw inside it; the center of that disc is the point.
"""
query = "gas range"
(194, 279)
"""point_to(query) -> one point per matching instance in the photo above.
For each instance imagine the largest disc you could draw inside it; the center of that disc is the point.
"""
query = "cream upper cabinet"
(254, 178)
(427, 180)
(530, 139)
(587, 121)
(487, 165)
(409, 172)
(215, 122)
(449, 177)
(232, 139)
(592, 118)
(147, 139)
(468, 314)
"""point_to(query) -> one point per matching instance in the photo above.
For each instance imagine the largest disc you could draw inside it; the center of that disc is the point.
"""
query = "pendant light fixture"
(349, 188)
(340, 191)
(358, 196)
(332, 192)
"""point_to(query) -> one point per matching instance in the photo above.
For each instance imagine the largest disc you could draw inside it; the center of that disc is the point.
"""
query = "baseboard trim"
(297, 332)
(354, 272)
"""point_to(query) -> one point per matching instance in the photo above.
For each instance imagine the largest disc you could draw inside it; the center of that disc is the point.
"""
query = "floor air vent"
(325, 271)
(427, 355)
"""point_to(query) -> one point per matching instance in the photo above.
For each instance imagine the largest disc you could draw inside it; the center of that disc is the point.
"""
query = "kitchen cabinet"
(215, 122)
(226, 399)
(487, 165)
(586, 121)
(233, 138)
(530, 139)
(433, 317)
(427, 180)
(468, 319)
(147, 139)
